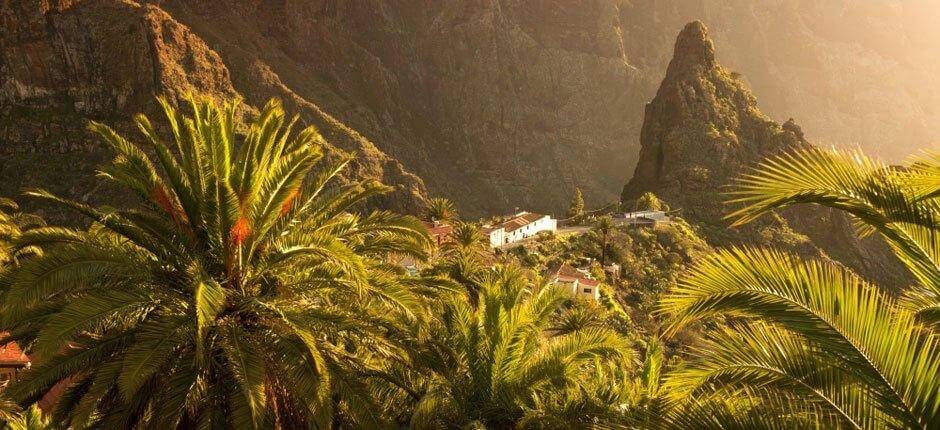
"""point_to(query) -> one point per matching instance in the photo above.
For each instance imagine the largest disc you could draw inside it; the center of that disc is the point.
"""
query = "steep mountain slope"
(65, 62)
(496, 103)
(703, 129)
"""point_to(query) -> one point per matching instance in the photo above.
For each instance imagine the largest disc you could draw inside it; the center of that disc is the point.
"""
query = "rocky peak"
(694, 50)
(702, 128)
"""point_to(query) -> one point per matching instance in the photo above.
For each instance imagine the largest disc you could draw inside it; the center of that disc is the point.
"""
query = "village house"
(12, 360)
(520, 227)
(440, 231)
(496, 234)
(576, 282)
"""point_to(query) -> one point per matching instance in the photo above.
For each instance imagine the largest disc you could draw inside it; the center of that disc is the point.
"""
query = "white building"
(522, 226)
(653, 215)
(575, 282)
(496, 234)
(640, 218)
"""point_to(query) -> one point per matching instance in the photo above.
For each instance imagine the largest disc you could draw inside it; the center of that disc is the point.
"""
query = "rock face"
(853, 73)
(494, 103)
(67, 61)
(702, 130)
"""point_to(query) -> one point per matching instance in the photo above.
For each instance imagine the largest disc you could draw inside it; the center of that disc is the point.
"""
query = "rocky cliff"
(702, 130)
(495, 103)
(64, 62)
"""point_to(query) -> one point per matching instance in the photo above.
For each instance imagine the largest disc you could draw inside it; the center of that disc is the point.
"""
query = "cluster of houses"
(525, 225)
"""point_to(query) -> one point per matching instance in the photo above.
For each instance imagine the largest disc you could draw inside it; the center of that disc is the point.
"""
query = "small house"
(12, 360)
(576, 282)
(440, 232)
(497, 236)
(641, 218)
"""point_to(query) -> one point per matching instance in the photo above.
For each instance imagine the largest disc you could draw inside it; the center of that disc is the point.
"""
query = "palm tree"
(810, 339)
(9, 411)
(31, 419)
(240, 293)
(441, 209)
(12, 225)
(603, 230)
(467, 238)
(493, 365)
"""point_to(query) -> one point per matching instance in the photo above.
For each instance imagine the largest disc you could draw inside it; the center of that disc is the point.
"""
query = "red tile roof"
(588, 282)
(12, 355)
(567, 273)
(521, 220)
(439, 231)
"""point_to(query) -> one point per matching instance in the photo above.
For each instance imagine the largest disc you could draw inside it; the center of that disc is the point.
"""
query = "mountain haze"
(496, 104)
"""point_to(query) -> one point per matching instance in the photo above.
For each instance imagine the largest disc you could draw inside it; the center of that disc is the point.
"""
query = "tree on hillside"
(603, 231)
(649, 202)
(809, 338)
(239, 293)
(577, 204)
(441, 209)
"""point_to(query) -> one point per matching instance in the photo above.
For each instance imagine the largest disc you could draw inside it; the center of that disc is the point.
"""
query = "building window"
(587, 290)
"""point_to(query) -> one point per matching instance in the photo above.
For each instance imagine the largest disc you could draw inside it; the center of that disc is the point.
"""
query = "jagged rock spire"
(701, 130)
(694, 50)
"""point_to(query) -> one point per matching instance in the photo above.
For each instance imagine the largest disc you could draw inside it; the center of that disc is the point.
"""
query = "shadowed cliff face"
(63, 63)
(496, 104)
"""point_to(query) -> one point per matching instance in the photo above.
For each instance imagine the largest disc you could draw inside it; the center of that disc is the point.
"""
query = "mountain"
(702, 130)
(65, 62)
(854, 73)
(495, 103)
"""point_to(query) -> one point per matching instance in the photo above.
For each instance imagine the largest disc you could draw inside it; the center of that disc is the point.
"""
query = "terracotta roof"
(438, 228)
(588, 282)
(11, 354)
(521, 220)
(566, 273)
